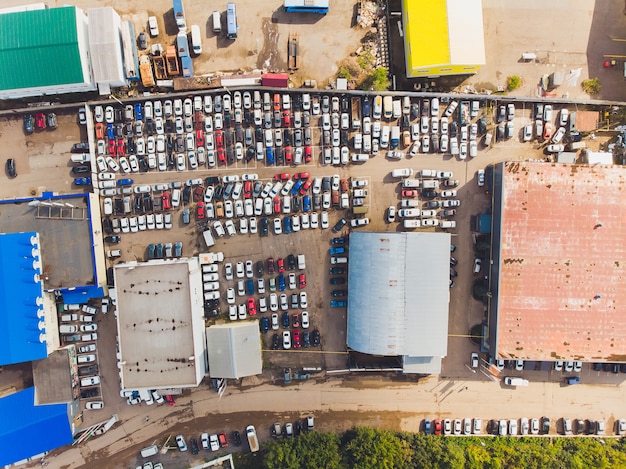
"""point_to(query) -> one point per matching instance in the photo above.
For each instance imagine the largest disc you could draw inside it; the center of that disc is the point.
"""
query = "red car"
(276, 102)
(437, 427)
(199, 138)
(247, 189)
(409, 193)
(200, 211)
(121, 147)
(281, 177)
(270, 265)
(219, 138)
(301, 176)
(112, 148)
(277, 208)
(296, 338)
(344, 185)
(251, 307)
(305, 186)
(40, 121)
(221, 156)
(170, 400)
(223, 440)
(308, 154)
(166, 201)
(100, 131)
(281, 265)
(302, 280)
(286, 119)
(288, 155)
(198, 194)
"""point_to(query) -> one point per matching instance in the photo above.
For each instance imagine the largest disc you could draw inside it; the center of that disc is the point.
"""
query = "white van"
(217, 22)
(149, 451)
(384, 136)
(301, 262)
(80, 158)
(196, 39)
(409, 224)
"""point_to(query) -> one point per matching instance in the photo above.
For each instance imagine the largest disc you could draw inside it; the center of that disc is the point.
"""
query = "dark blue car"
(296, 187)
(110, 131)
(281, 282)
(125, 182)
(337, 250)
(287, 225)
(338, 241)
(269, 156)
(82, 181)
(250, 286)
(138, 112)
(265, 325)
(366, 107)
(285, 320)
(306, 203)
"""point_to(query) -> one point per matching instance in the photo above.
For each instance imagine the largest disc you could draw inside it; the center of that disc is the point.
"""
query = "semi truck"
(182, 45)
(356, 113)
(253, 441)
(179, 15)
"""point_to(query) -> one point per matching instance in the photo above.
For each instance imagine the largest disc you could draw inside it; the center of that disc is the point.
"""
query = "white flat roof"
(160, 323)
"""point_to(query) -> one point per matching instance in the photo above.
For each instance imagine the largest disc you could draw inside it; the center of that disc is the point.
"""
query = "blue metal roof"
(80, 295)
(21, 318)
(28, 429)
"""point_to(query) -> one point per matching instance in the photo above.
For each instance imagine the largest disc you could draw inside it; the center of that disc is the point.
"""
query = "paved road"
(337, 406)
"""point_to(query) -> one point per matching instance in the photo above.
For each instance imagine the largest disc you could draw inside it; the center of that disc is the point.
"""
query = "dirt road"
(337, 407)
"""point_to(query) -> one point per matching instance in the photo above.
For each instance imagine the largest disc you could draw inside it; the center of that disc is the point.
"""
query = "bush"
(513, 82)
(591, 86)
(377, 81)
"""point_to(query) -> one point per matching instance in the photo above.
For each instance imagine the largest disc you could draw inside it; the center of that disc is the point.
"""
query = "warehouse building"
(234, 350)
(160, 320)
(557, 282)
(398, 297)
(443, 37)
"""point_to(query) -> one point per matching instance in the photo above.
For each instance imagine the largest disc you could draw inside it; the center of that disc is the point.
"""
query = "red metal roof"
(563, 274)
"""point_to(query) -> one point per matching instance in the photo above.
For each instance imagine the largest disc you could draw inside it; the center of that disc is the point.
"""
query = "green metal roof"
(39, 48)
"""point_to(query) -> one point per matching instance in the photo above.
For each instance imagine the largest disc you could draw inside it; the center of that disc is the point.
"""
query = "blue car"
(287, 225)
(337, 250)
(250, 286)
(125, 182)
(427, 426)
(285, 320)
(281, 282)
(265, 325)
(296, 187)
(338, 304)
(269, 155)
(110, 131)
(138, 112)
(306, 203)
(82, 181)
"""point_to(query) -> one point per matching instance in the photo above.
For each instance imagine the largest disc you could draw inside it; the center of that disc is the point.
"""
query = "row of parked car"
(289, 430)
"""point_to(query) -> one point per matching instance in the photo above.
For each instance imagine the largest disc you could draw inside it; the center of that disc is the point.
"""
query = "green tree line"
(367, 448)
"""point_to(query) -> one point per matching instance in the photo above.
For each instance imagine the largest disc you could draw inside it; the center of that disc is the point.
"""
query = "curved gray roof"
(398, 293)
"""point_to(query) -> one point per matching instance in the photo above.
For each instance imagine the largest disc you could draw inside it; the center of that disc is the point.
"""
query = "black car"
(10, 165)
(80, 147)
(338, 241)
(186, 194)
(345, 104)
(306, 339)
(337, 270)
(429, 194)
(337, 281)
(141, 41)
(91, 392)
(147, 203)
(344, 137)
(264, 226)
(194, 446)
(415, 111)
(238, 134)
(291, 262)
(212, 303)
(212, 180)
(137, 206)
(275, 342)
(500, 133)
(82, 169)
(454, 129)
(339, 293)
(110, 277)
(107, 225)
(250, 153)
(295, 204)
(260, 270)
(219, 193)
(404, 122)
(316, 338)
(453, 273)
(112, 239)
(339, 225)
(285, 320)
(597, 367)
(227, 119)
(425, 107)
(482, 126)
(287, 137)
(590, 427)
(432, 204)
(87, 370)
(236, 436)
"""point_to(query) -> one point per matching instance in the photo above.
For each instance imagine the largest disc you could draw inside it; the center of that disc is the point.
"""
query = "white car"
(304, 322)
(286, 340)
(304, 304)
(359, 222)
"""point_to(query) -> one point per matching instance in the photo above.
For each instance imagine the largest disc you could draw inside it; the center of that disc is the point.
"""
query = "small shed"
(234, 350)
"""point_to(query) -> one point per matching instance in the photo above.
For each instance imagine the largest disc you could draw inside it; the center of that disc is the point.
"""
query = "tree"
(312, 449)
(513, 82)
(366, 448)
(377, 81)
(591, 86)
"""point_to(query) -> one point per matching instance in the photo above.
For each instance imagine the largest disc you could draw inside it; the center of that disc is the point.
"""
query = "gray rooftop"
(398, 294)
(160, 323)
(52, 377)
(234, 350)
